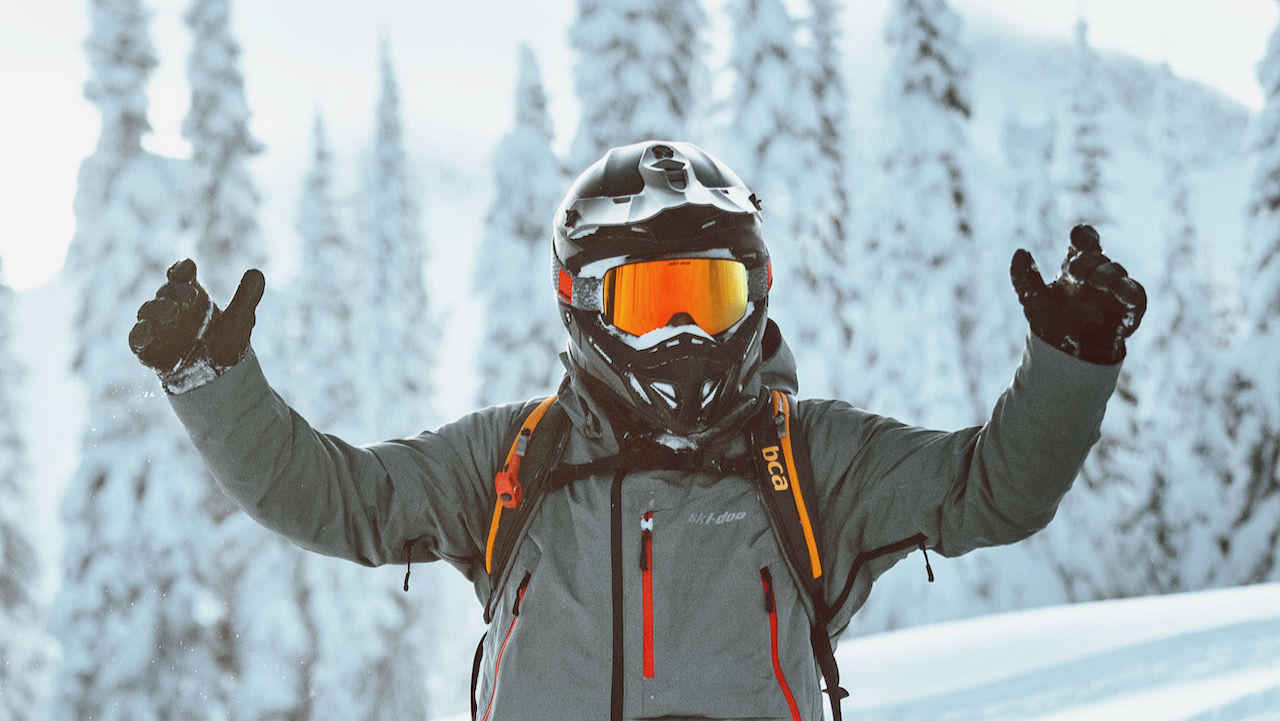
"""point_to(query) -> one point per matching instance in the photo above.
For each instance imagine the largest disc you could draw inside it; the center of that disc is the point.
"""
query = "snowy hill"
(1198, 656)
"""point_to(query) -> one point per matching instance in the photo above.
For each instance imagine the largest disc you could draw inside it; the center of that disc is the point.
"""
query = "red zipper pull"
(767, 579)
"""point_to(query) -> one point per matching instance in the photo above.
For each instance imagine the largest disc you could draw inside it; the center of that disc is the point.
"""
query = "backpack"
(781, 470)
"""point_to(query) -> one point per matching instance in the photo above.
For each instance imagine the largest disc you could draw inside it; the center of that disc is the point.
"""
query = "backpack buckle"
(507, 482)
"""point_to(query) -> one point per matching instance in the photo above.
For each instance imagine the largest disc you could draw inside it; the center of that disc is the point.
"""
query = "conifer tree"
(358, 666)
(1181, 516)
(768, 116)
(1037, 223)
(274, 650)
(640, 73)
(1251, 544)
(1086, 154)
(140, 615)
(522, 333)
(25, 651)
(925, 240)
(787, 137)
(222, 213)
(827, 273)
(400, 333)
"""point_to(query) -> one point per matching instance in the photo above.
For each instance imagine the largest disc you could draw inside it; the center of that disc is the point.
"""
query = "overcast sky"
(456, 65)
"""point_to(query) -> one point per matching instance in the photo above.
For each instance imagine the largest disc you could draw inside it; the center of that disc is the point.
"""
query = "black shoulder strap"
(519, 495)
(786, 482)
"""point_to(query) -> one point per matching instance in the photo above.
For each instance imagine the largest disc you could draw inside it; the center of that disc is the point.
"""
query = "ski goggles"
(641, 297)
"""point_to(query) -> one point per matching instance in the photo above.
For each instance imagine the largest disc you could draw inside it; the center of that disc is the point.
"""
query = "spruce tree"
(640, 73)
(223, 210)
(400, 335)
(25, 650)
(1038, 225)
(827, 271)
(1181, 515)
(1114, 490)
(522, 333)
(359, 667)
(786, 135)
(274, 650)
(924, 247)
(1086, 155)
(140, 614)
(399, 332)
(1251, 544)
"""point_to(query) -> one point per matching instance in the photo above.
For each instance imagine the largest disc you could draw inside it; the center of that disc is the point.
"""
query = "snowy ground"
(1209, 656)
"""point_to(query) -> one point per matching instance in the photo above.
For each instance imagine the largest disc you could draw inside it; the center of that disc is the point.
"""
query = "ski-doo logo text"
(707, 519)
(777, 473)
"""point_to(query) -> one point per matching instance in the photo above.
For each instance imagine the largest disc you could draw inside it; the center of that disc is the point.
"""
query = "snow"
(1092, 641)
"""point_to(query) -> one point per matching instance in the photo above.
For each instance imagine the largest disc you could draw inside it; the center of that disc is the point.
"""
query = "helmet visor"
(642, 297)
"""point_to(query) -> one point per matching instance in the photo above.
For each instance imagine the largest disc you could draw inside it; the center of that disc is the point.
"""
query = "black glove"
(1089, 309)
(185, 338)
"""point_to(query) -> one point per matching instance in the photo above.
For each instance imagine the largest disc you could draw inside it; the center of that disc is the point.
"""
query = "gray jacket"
(699, 639)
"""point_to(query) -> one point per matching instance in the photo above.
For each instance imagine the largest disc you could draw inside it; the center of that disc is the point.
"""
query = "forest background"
(903, 151)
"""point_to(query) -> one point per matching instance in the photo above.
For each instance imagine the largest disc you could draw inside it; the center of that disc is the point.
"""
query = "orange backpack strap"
(786, 483)
(518, 496)
(786, 480)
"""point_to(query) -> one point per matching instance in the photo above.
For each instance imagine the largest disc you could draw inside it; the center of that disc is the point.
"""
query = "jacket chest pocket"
(715, 618)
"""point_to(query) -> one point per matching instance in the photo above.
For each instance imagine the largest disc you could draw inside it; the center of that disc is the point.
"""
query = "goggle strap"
(581, 293)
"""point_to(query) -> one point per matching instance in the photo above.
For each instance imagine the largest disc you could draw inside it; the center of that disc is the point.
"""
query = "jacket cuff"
(1065, 379)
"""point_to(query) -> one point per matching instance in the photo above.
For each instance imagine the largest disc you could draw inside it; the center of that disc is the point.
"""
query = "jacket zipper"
(618, 679)
(646, 587)
(497, 663)
(771, 608)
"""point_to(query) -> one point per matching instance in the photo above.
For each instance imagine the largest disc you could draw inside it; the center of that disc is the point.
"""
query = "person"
(662, 279)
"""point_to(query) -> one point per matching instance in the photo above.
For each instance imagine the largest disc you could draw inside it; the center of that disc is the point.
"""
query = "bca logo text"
(777, 473)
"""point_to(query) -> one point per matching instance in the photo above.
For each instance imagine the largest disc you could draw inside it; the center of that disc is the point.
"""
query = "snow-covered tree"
(1086, 155)
(787, 136)
(400, 335)
(923, 249)
(1253, 385)
(358, 666)
(223, 205)
(1037, 223)
(24, 649)
(522, 334)
(323, 306)
(274, 650)
(1181, 518)
(827, 271)
(139, 614)
(769, 115)
(640, 73)
(399, 332)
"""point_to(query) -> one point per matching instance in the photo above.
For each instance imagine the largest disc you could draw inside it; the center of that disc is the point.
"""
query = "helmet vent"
(708, 392)
(666, 392)
(674, 170)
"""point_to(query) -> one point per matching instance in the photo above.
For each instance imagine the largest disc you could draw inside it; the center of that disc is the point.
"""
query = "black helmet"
(663, 281)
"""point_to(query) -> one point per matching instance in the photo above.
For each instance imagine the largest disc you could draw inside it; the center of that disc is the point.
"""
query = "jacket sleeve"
(883, 483)
(432, 491)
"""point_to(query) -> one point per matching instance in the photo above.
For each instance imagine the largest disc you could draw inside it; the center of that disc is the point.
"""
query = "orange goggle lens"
(641, 297)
